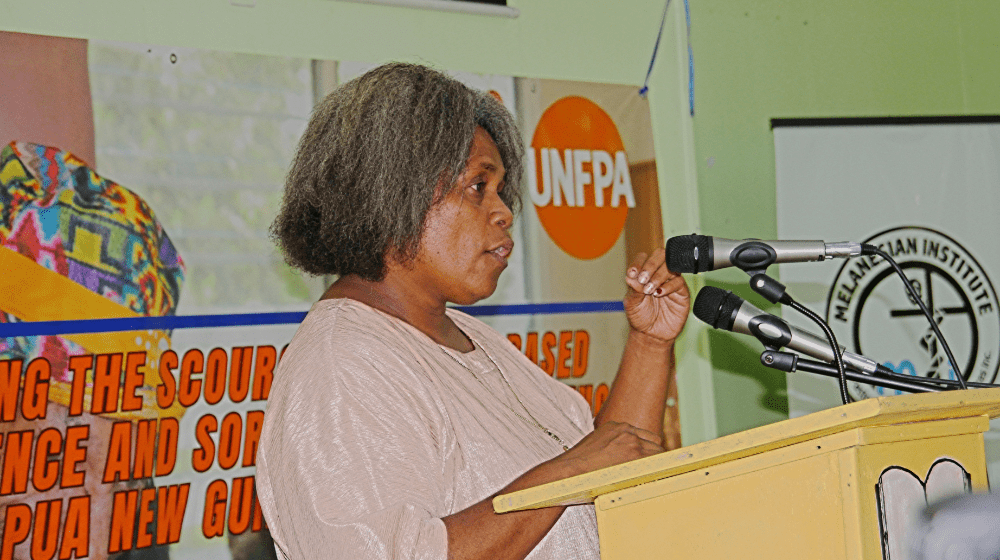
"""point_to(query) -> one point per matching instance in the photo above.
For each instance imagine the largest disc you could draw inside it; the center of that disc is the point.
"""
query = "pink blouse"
(373, 433)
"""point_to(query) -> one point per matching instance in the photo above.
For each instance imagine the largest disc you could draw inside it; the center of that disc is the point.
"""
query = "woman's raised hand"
(657, 301)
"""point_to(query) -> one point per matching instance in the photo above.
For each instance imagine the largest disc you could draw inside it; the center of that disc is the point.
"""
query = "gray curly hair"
(368, 168)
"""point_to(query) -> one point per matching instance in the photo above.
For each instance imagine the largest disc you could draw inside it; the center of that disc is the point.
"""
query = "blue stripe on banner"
(39, 328)
(43, 328)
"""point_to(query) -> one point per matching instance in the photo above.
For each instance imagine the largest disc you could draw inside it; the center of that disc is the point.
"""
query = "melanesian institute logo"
(871, 312)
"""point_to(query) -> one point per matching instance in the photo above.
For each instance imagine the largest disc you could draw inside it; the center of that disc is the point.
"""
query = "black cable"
(868, 249)
(838, 357)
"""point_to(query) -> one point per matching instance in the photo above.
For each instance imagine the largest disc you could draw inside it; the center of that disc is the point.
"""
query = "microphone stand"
(789, 362)
(774, 292)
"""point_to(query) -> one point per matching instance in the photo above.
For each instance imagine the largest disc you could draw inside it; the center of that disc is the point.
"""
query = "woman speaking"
(394, 420)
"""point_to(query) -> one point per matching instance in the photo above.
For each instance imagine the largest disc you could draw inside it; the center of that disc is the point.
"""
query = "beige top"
(374, 432)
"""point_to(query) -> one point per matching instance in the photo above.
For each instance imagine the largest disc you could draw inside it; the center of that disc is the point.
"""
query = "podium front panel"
(818, 499)
(897, 480)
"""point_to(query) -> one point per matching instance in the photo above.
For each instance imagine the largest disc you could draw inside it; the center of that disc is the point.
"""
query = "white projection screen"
(927, 191)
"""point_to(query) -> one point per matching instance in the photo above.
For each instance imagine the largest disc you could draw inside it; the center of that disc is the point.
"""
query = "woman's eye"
(478, 186)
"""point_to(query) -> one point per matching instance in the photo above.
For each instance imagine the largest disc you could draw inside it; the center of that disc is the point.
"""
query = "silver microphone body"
(727, 311)
(701, 253)
(800, 341)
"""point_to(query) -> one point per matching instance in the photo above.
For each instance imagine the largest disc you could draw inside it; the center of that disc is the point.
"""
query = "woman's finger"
(635, 266)
(660, 275)
(654, 261)
(672, 285)
(651, 448)
(645, 435)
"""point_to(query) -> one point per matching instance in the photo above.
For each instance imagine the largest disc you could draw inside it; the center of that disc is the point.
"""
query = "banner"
(144, 309)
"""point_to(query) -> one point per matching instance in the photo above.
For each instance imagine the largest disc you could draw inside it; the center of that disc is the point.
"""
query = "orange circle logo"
(579, 179)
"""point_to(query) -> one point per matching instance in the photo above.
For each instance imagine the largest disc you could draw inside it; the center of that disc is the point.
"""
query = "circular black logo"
(871, 312)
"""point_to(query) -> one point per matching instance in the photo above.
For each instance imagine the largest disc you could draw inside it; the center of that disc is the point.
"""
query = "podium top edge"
(870, 412)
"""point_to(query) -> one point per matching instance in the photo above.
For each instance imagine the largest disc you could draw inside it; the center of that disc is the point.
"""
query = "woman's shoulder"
(338, 336)
(346, 348)
(345, 337)
(346, 322)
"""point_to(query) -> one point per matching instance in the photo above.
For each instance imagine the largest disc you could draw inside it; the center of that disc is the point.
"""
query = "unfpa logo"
(578, 177)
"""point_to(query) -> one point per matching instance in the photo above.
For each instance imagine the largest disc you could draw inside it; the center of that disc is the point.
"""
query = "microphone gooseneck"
(842, 375)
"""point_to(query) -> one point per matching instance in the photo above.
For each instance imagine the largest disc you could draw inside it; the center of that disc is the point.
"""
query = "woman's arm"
(477, 533)
(629, 426)
(657, 306)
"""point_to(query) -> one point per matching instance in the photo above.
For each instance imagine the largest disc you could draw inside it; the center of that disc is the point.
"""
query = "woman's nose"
(502, 215)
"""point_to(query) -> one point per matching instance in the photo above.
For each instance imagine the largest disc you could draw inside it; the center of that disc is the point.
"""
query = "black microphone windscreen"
(689, 253)
(717, 307)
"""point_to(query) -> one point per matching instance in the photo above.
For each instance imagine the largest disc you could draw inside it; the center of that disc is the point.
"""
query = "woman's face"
(466, 242)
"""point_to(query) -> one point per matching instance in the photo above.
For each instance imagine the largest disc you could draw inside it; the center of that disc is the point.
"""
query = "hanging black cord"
(838, 357)
(868, 249)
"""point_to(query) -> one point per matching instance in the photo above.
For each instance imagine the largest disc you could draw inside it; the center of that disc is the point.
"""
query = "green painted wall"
(762, 59)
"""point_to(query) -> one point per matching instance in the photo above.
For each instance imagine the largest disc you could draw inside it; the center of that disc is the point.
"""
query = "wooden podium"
(835, 484)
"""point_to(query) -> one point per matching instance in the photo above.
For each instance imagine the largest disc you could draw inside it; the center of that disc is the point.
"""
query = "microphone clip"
(753, 256)
(782, 361)
(772, 290)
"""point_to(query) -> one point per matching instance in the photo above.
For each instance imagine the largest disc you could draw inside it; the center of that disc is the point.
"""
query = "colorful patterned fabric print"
(65, 217)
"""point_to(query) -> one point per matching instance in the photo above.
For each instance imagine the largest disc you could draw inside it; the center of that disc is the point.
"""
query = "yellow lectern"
(841, 483)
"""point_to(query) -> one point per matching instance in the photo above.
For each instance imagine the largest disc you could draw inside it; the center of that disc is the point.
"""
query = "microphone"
(700, 253)
(725, 310)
